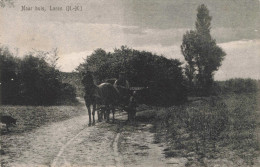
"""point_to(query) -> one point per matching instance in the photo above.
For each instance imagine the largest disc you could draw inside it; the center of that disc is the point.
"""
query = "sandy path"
(41, 146)
(138, 149)
(73, 143)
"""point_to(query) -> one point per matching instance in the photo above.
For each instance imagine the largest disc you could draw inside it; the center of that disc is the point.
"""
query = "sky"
(152, 25)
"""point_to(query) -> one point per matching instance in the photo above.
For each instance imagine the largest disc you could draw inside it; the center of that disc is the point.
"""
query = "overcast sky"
(151, 25)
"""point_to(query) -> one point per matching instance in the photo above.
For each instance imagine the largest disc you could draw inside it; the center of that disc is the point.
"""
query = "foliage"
(212, 128)
(39, 81)
(202, 54)
(236, 85)
(73, 79)
(67, 94)
(163, 76)
(9, 84)
(31, 81)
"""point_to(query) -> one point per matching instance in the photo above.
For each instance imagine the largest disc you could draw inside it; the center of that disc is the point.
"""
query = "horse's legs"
(89, 114)
(93, 113)
(134, 114)
(128, 115)
(99, 112)
(113, 111)
(107, 113)
(103, 114)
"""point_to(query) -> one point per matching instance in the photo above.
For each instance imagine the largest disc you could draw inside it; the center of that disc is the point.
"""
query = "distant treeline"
(32, 81)
(74, 79)
(236, 85)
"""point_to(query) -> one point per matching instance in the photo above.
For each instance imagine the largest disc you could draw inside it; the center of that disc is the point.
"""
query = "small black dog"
(8, 121)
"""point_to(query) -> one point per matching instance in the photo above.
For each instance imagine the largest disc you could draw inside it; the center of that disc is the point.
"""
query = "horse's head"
(87, 79)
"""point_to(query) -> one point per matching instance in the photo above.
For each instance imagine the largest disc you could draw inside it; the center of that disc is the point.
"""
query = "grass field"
(31, 117)
(209, 129)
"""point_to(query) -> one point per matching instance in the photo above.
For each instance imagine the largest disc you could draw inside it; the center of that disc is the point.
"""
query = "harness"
(91, 93)
(121, 83)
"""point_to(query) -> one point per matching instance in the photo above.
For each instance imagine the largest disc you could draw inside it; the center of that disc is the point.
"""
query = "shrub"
(31, 81)
(208, 121)
(9, 81)
(237, 85)
(40, 82)
(67, 94)
(210, 127)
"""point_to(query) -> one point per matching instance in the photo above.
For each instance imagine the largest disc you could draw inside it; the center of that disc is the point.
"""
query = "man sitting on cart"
(123, 87)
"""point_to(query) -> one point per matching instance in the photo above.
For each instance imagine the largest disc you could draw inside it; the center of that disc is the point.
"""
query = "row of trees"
(143, 69)
(32, 80)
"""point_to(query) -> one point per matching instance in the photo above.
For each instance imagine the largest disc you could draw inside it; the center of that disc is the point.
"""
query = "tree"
(142, 68)
(9, 80)
(33, 80)
(201, 53)
(40, 84)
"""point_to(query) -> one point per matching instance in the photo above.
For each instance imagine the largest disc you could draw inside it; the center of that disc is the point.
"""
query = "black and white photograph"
(130, 83)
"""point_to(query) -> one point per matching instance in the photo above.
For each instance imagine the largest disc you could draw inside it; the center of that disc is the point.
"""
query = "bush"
(31, 81)
(165, 92)
(208, 121)
(68, 94)
(9, 83)
(40, 82)
(237, 85)
(210, 127)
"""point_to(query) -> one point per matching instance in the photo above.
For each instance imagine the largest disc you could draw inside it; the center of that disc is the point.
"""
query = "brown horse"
(104, 94)
(108, 96)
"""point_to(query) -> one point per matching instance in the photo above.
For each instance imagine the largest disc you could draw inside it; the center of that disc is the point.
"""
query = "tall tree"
(201, 52)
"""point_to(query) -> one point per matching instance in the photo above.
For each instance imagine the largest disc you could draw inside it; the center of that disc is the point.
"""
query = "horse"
(104, 94)
(108, 96)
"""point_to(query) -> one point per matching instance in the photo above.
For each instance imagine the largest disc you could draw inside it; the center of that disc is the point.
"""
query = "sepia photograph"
(130, 83)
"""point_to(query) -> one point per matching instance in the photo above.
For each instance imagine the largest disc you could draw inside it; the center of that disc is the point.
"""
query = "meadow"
(208, 129)
(31, 117)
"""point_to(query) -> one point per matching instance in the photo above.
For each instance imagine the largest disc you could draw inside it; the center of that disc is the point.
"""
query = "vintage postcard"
(129, 83)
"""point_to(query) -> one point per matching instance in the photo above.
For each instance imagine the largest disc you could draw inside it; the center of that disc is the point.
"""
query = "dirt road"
(73, 143)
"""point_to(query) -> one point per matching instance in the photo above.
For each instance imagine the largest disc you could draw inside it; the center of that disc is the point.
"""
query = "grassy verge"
(31, 117)
(213, 128)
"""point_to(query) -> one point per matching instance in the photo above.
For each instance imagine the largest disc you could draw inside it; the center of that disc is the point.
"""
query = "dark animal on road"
(8, 120)
(89, 97)
(108, 96)
(104, 94)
